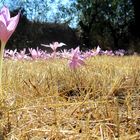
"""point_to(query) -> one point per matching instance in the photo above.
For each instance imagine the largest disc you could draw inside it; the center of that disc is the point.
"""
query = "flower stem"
(1, 63)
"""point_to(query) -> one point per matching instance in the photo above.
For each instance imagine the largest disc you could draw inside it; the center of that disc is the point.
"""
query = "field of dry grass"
(45, 100)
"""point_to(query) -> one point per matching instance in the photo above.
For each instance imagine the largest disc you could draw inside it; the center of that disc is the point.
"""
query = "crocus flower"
(10, 53)
(76, 59)
(97, 51)
(54, 47)
(65, 53)
(120, 52)
(36, 53)
(107, 52)
(7, 27)
(21, 55)
(7, 24)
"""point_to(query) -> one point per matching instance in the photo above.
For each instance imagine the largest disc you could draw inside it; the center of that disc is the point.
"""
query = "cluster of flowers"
(74, 56)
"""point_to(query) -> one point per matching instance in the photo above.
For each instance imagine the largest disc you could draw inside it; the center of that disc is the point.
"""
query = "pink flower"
(65, 53)
(98, 50)
(7, 24)
(76, 59)
(10, 53)
(35, 53)
(54, 46)
(21, 55)
(7, 27)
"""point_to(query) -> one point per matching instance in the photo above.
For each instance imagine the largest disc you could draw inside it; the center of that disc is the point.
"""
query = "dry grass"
(45, 100)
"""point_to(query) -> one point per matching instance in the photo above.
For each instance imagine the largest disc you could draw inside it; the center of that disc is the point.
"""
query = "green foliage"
(105, 20)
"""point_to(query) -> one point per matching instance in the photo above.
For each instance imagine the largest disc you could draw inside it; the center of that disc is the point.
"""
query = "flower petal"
(45, 45)
(6, 13)
(13, 23)
(2, 19)
(4, 34)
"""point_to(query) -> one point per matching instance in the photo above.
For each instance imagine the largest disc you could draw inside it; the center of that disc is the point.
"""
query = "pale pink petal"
(13, 23)
(6, 13)
(45, 45)
(98, 49)
(53, 46)
(2, 19)
(4, 34)
(34, 52)
(61, 44)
